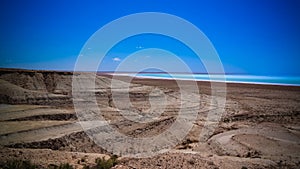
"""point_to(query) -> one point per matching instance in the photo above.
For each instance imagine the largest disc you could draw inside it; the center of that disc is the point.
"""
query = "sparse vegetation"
(101, 163)
(61, 166)
(18, 164)
(65, 166)
(26, 164)
(86, 167)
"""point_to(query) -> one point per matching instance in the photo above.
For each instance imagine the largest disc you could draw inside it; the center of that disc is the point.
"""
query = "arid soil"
(260, 126)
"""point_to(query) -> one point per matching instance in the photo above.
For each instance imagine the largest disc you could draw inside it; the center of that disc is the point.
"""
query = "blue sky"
(258, 37)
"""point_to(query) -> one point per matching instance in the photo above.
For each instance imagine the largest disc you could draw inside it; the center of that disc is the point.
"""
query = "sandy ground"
(260, 126)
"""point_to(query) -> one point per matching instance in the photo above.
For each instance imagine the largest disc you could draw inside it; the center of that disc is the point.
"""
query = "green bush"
(26, 164)
(101, 163)
(65, 166)
(86, 167)
(61, 166)
(18, 164)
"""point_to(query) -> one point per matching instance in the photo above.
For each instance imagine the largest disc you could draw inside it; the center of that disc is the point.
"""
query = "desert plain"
(259, 128)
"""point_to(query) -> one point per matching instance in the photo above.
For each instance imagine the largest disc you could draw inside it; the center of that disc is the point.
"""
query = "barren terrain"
(260, 127)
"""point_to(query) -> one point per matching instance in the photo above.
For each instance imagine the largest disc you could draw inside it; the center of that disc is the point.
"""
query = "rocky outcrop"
(35, 87)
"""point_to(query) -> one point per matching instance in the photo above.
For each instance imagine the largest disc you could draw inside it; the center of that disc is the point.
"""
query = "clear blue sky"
(251, 36)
